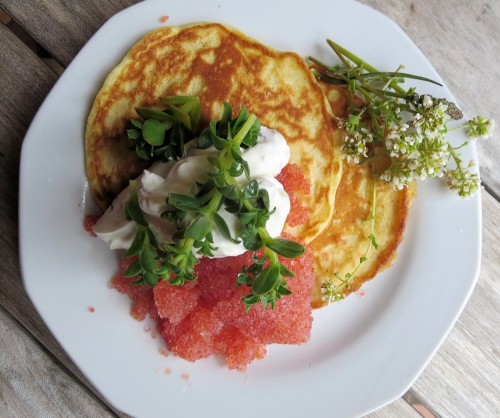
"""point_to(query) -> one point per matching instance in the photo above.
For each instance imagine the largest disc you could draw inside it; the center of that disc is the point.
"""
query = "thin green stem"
(457, 159)
(186, 245)
(458, 128)
(321, 64)
(341, 51)
(244, 130)
(213, 205)
(273, 257)
(371, 219)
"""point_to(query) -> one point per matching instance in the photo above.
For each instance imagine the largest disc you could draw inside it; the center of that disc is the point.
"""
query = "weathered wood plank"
(461, 39)
(462, 379)
(62, 27)
(397, 409)
(32, 384)
(24, 81)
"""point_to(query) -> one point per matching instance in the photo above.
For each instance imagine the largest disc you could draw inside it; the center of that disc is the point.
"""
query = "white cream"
(266, 160)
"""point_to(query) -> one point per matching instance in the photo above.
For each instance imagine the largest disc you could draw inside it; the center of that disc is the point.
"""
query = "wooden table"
(38, 39)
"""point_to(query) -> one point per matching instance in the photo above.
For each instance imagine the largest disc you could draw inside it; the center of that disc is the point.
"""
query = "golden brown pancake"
(340, 246)
(216, 63)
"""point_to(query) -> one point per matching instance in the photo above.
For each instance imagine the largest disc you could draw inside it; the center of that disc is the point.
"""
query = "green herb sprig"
(197, 214)
(162, 134)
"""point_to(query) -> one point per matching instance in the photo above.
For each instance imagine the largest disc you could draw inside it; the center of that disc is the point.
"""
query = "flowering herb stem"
(411, 128)
(336, 291)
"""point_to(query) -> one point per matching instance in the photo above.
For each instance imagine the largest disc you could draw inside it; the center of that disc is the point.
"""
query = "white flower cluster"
(333, 293)
(462, 180)
(418, 147)
(355, 147)
(480, 127)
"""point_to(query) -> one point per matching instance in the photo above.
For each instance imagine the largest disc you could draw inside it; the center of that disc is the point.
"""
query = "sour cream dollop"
(265, 160)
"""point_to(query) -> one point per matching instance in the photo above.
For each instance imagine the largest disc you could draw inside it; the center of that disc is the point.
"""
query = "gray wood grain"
(399, 408)
(24, 86)
(62, 27)
(32, 383)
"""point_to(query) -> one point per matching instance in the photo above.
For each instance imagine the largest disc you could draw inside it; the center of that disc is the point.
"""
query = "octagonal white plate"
(364, 352)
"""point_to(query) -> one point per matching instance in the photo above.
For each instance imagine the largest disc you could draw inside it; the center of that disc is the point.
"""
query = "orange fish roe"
(141, 296)
(294, 182)
(163, 352)
(175, 302)
(218, 323)
(89, 222)
(207, 317)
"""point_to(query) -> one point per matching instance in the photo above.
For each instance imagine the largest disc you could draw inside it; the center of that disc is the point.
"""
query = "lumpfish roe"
(207, 317)
(141, 296)
(88, 223)
(294, 182)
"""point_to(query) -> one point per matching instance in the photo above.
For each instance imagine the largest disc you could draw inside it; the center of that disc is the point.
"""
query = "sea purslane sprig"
(196, 214)
(162, 134)
(412, 127)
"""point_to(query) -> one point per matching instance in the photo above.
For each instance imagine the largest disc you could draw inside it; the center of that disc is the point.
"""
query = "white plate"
(364, 352)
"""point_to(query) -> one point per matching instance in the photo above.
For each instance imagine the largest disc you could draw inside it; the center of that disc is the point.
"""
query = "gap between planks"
(25, 38)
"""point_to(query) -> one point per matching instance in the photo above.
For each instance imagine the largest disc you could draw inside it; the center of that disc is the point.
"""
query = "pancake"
(216, 63)
(344, 241)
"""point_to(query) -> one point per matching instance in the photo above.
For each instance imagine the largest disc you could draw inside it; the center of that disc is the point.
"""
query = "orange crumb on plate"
(91, 309)
(163, 19)
(186, 376)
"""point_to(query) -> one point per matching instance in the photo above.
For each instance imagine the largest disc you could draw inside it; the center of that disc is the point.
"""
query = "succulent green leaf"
(221, 225)
(133, 133)
(149, 113)
(284, 291)
(137, 243)
(150, 278)
(132, 209)
(142, 152)
(205, 139)
(154, 132)
(286, 248)
(199, 228)
(285, 272)
(251, 190)
(134, 269)
(266, 280)
(147, 258)
(186, 203)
